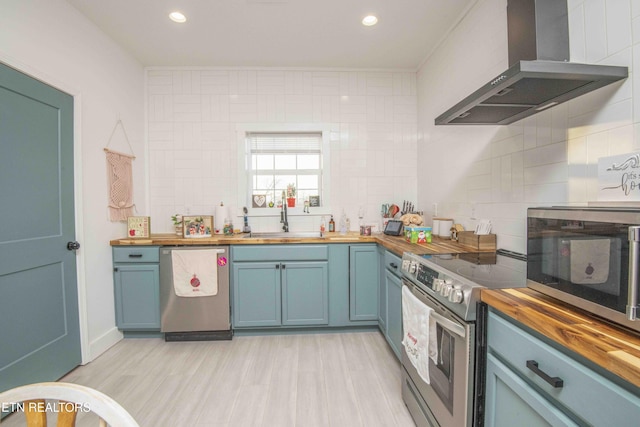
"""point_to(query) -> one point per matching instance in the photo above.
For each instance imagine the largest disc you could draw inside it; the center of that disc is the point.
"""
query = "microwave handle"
(634, 270)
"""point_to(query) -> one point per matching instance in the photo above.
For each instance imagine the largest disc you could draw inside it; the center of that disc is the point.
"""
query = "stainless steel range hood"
(539, 74)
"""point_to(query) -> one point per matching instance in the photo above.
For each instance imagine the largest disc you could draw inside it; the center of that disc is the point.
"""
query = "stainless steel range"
(450, 286)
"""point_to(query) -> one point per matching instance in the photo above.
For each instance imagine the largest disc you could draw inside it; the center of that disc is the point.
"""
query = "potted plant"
(291, 195)
(177, 223)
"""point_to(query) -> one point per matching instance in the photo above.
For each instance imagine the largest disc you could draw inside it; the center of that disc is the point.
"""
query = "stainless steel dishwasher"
(200, 318)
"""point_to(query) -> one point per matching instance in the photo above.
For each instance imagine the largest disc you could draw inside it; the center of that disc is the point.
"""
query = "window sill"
(297, 211)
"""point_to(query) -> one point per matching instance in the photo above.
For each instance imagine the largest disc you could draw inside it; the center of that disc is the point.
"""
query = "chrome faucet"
(283, 214)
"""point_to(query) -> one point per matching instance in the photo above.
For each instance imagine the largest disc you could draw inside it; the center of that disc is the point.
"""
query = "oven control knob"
(446, 290)
(456, 296)
(413, 267)
(448, 281)
(436, 285)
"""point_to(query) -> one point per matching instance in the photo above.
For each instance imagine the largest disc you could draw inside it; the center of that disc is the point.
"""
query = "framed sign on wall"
(619, 178)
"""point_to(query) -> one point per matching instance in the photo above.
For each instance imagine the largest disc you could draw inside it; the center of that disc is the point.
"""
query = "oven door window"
(586, 259)
(442, 373)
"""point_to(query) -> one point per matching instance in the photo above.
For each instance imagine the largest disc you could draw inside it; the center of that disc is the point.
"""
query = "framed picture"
(197, 226)
(259, 201)
(138, 226)
(314, 201)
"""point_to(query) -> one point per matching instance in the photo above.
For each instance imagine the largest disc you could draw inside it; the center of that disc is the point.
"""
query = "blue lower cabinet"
(256, 294)
(513, 402)
(393, 289)
(382, 292)
(136, 279)
(280, 285)
(533, 381)
(363, 282)
(390, 299)
(305, 293)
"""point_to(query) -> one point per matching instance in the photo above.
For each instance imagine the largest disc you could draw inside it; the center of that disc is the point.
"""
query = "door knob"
(73, 246)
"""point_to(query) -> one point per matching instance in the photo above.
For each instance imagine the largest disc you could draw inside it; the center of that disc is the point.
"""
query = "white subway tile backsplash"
(551, 173)
(546, 194)
(193, 115)
(548, 154)
(507, 146)
(270, 83)
(549, 158)
(618, 25)
(595, 30)
(635, 8)
(635, 28)
(214, 82)
(481, 167)
(376, 157)
(577, 42)
(600, 119)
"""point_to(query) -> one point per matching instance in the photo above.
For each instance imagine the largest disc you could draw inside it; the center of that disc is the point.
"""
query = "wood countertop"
(615, 349)
(398, 245)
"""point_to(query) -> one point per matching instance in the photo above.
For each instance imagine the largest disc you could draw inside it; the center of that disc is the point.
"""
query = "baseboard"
(103, 343)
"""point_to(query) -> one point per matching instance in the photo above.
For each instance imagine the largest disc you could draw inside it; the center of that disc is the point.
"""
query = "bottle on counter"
(332, 225)
(322, 225)
(343, 223)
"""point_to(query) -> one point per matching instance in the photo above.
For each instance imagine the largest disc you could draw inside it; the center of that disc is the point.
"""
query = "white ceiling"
(277, 33)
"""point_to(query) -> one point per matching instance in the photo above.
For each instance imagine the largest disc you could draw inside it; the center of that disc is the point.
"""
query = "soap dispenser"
(332, 225)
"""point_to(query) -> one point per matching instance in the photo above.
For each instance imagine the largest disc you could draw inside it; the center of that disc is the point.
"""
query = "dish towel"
(419, 339)
(590, 261)
(195, 272)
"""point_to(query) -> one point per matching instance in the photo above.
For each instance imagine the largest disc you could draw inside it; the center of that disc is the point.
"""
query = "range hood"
(539, 74)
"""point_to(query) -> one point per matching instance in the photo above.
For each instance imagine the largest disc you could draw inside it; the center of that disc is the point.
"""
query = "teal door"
(40, 338)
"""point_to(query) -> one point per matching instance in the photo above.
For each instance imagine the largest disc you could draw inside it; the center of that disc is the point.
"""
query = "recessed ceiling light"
(369, 20)
(177, 17)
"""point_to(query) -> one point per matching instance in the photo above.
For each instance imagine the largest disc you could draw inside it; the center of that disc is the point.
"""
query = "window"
(277, 160)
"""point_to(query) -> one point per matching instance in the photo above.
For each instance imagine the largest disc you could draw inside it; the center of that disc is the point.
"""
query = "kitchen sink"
(285, 235)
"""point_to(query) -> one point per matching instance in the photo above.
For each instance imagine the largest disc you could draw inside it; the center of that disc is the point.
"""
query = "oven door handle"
(634, 269)
(449, 325)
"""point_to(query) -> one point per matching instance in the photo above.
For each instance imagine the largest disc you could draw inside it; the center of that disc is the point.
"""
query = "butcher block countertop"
(395, 244)
(612, 348)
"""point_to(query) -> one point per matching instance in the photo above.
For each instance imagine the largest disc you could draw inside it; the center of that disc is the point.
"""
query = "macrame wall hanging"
(120, 179)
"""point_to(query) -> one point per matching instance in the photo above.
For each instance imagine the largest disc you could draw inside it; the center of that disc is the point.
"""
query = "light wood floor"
(344, 379)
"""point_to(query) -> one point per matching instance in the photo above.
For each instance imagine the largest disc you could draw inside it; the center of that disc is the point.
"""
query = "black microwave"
(587, 257)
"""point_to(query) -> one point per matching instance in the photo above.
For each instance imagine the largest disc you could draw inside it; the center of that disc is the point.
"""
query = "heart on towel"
(259, 200)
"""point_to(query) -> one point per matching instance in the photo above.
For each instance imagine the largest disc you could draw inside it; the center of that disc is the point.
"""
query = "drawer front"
(590, 396)
(136, 254)
(392, 262)
(281, 253)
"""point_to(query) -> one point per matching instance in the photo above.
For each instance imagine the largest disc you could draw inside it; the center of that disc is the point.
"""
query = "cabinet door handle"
(277, 266)
(556, 382)
(284, 266)
(393, 265)
(135, 255)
